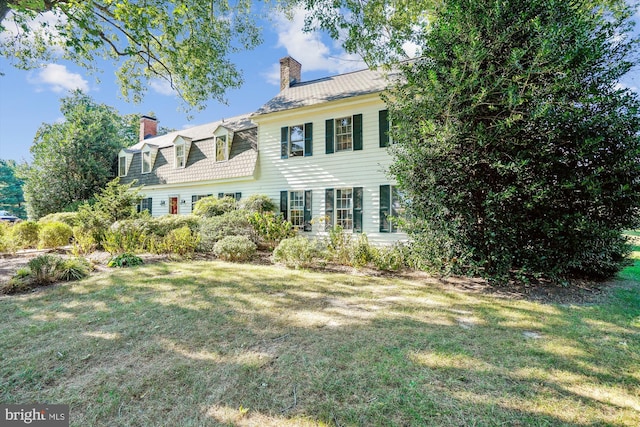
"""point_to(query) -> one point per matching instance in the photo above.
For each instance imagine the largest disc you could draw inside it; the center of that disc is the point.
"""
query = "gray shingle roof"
(198, 132)
(201, 164)
(327, 89)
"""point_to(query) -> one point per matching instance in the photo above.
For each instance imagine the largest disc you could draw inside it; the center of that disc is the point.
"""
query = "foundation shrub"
(213, 206)
(271, 228)
(235, 248)
(54, 234)
(69, 218)
(297, 252)
(259, 203)
(234, 223)
(25, 234)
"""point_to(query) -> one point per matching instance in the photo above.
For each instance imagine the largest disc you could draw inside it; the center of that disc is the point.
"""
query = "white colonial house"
(318, 149)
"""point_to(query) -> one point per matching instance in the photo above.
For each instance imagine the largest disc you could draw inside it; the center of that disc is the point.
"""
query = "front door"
(173, 205)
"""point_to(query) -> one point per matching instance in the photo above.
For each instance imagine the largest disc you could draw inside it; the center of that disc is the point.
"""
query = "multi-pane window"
(145, 205)
(122, 166)
(180, 155)
(390, 208)
(296, 208)
(146, 161)
(344, 134)
(296, 140)
(344, 208)
(222, 151)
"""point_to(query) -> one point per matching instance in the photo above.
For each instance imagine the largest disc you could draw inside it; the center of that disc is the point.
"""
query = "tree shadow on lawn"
(207, 344)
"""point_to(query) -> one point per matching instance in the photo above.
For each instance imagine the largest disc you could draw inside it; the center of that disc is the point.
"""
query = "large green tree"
(11, 196)
(187, 43)
(75, 158)
(517, 148)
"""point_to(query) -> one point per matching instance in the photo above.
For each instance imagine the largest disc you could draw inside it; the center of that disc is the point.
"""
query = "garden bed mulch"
(578, 292)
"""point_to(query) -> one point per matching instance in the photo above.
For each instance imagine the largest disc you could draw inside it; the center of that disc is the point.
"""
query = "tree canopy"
(517, 148)
(186, 43)
(11, 196)
(74, 159)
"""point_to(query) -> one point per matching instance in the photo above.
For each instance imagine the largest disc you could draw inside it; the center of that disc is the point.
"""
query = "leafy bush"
(339, 246)
(390, 258)
(181, 241)
(6, 240)
(45, 268)
(54, 234)
(235, 248)
(161, 226)
(25, 234)
(259, 203)
(69, 218)
(73, 269)
(271, 228)
(83, 242)
(123, 239)
(362, 253)
(297, 252)
(125, 260)
(235, 223)
(213, 206)
(115, 203)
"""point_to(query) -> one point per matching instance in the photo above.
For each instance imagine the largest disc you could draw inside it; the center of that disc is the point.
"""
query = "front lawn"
(212, 343)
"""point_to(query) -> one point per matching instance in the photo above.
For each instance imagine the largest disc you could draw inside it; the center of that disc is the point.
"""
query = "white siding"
(366, 168)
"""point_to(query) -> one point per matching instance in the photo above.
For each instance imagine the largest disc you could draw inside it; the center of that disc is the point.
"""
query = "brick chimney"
(148, 127)
(290, 72)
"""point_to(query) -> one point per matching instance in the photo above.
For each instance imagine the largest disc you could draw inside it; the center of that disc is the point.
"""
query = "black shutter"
(357, 209)
(328, 133)
(308, 139)
(357, 132)
(220, 195)
(194, 199)
(284, 204)
(307, 210)
(383, 127)
(149, 205)
(284, 142)
(385, 208)
(328, 208)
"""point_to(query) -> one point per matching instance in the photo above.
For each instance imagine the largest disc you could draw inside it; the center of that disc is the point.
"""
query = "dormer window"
(222, 148)
(122, 166)
(180, 157)
(146, 160)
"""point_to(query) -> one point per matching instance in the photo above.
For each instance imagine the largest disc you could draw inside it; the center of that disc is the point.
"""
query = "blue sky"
(30, 98)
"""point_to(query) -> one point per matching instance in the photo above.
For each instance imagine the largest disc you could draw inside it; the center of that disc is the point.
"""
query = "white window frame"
(343, 208)
(225, 139)
(122, 169)
(296, 209)
(343, 134)
(180, 160)
(300, 142)
(146, 153)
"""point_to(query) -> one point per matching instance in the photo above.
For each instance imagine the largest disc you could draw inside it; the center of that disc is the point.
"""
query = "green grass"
(211, 343)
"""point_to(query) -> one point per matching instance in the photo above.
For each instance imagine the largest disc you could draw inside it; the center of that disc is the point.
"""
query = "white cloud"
(309, 49)
(162, 87)
(58, 79)
(44, 26)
